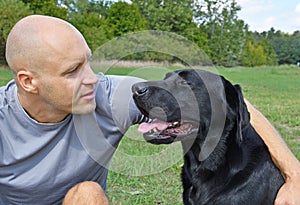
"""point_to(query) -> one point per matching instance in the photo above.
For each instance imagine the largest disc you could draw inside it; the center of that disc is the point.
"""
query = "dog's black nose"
(139, 89)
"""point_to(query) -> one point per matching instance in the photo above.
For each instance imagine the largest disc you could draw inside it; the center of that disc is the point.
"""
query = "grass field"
(273, 90)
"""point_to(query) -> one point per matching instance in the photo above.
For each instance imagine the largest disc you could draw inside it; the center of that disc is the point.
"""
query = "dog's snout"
(139, 89)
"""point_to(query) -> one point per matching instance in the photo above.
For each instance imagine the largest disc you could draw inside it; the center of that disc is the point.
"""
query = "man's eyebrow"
(70, 68)
(78, 63)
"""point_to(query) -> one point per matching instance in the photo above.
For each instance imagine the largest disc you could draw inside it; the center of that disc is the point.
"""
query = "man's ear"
(27, 81)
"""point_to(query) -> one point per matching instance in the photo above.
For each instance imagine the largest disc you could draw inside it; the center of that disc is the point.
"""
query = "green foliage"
(258, 53)
(212, 25)
(173, 16)
(93, 27)
(287, 47)
(95, 6)
(10, 12)
(89, 18)
(226, 33)
(124, 18)
(153, 45)
(253, 55)
(271, 56)
(166, 15)
(46, 7)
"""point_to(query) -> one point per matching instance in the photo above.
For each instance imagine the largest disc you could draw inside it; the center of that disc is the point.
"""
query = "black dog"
(225, 160)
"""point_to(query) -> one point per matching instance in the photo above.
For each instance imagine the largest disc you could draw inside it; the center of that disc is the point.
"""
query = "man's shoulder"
(7, 93)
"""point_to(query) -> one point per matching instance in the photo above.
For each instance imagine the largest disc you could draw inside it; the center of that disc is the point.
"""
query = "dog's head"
(188, 104)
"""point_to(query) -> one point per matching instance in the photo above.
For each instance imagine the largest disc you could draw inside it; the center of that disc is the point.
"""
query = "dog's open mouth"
(157, 129)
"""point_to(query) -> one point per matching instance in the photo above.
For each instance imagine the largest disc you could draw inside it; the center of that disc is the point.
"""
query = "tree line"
(213, 25)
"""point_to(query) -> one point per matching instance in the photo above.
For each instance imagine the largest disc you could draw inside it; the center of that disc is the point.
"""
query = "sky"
(261, 15)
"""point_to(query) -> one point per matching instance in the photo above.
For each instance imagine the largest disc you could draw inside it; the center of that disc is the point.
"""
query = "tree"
(213, 25)
(271, 57)
(47, 7)
(90, 6)
(93, 28)
(89, 17)
(258, 51)
(253, 55)
(11, 11)
(173, 16)
(166, 15)
(286, 47)
(123, 18)
(226, 33)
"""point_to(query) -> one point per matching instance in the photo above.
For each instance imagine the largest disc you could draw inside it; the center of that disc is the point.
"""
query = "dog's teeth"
(175, 123)
(155, 130)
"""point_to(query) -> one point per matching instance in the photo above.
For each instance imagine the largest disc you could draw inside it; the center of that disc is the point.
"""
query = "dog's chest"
(204, 187)
(227, 186)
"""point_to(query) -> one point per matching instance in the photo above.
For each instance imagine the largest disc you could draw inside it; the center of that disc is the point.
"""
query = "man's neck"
(38, 111)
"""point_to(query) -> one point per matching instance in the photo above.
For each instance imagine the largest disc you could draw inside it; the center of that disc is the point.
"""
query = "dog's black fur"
(239, 170)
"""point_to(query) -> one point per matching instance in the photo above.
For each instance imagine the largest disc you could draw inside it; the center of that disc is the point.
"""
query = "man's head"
(50, 61)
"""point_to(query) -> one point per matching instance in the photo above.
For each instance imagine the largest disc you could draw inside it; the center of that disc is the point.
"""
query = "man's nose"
(89, 76)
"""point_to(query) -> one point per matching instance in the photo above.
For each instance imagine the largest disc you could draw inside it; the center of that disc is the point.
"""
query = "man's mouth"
(89, 96)
(157, 129)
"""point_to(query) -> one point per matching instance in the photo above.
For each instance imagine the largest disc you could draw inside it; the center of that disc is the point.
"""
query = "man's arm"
(281, 156)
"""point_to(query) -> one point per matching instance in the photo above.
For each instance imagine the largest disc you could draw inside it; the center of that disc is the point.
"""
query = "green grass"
(140, 173)
(275, 92)
(5, 76)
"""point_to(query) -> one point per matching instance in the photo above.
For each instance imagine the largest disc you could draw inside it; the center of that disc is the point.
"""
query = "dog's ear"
(243, 116)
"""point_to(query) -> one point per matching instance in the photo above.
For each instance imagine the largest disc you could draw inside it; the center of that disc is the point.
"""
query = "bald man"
(49, 113)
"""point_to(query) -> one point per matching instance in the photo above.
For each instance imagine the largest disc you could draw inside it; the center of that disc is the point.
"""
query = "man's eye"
(74, 70)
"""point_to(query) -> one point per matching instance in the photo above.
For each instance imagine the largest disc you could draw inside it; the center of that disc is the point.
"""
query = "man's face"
(67, 83)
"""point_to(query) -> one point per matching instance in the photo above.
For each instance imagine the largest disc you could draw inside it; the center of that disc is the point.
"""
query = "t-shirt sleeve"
(124, 111)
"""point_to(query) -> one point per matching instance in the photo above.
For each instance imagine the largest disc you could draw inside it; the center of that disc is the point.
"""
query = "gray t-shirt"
(39, 162)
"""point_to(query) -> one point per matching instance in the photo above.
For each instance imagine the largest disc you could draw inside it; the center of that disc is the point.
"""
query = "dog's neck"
(195, 164)
(201, 162)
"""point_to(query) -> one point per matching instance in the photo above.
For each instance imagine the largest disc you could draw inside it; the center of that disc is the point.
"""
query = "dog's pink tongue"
(146, 127)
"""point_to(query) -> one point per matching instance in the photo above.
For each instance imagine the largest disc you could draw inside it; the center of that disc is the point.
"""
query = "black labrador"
(225, 160)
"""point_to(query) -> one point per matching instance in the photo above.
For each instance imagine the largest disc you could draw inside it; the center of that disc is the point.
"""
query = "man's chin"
(84, 109)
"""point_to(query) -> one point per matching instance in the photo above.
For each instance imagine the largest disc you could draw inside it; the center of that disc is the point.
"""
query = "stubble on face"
(71, 87)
